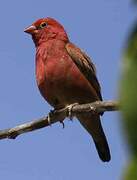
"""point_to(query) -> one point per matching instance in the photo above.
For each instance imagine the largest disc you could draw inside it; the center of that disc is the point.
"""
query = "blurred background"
(101, 29)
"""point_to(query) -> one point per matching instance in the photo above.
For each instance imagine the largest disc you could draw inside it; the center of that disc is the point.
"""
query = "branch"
(59, 115)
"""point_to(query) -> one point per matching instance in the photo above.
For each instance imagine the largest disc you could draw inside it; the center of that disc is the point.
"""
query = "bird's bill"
(30, 29)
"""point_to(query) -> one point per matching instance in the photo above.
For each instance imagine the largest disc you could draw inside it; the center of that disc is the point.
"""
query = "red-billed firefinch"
(65, 75)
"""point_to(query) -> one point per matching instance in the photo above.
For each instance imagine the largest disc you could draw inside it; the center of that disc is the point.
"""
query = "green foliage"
(131, 171)
(129, 90)
(129, 99)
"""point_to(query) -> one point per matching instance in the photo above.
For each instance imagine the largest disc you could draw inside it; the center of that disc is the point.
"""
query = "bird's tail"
(93, 125)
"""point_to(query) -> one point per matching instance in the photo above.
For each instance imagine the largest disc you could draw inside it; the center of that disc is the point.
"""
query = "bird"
(66, 75)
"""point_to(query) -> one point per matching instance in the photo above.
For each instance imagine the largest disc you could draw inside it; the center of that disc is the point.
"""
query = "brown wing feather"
(89, 121)
(85, 65)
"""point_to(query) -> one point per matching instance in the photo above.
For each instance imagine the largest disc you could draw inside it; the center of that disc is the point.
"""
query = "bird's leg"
(70, 107)
(49, 120)
(63, 125)
(93, 110)
(49, 116)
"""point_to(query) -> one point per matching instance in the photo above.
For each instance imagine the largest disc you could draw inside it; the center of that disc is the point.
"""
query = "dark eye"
(43, 24)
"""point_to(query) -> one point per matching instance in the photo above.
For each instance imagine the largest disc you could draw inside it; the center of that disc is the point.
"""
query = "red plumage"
(66, 75)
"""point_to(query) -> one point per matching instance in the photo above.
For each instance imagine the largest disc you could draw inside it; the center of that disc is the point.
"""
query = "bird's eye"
(43, 24)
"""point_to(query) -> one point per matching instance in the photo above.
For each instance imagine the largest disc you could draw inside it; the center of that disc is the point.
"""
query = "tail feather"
(93, 125)
(103, 150)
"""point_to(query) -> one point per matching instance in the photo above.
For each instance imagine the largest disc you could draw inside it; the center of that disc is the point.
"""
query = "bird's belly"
(64, 84)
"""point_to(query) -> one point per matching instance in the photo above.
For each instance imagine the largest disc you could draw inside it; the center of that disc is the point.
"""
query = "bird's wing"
(85, 65)
(91, 122)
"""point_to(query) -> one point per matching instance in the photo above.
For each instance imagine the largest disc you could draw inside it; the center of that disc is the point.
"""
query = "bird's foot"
(49, 116)
(70, 107)
(49, 119)
(63, 125)
(93, 109)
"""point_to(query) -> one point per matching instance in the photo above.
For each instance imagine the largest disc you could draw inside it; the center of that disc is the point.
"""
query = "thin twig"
(59, 115)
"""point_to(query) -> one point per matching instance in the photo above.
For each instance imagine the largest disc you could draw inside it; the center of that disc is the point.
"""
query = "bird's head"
(45, 29)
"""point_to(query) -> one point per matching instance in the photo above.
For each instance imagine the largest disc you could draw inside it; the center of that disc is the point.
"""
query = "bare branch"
(59, 115)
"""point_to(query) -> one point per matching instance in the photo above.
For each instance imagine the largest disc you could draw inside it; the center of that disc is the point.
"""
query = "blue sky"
(53, 153)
